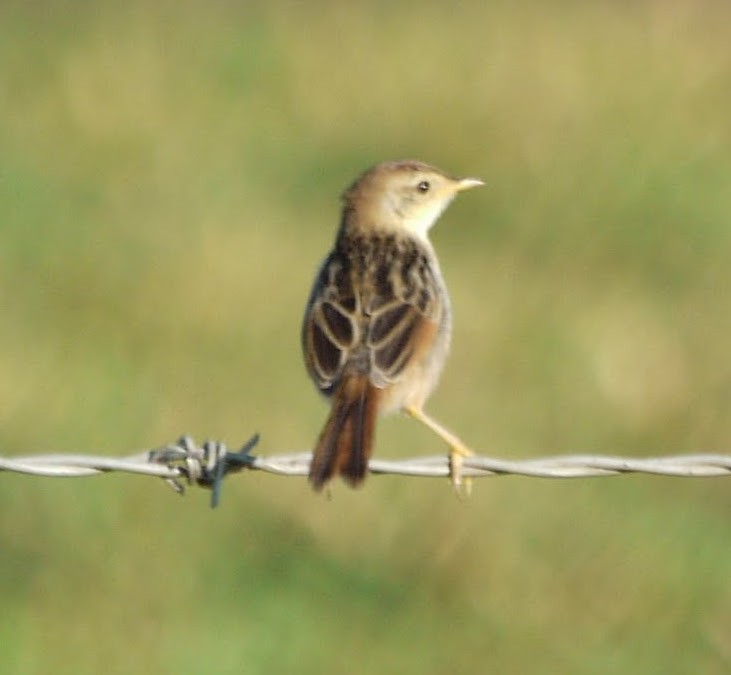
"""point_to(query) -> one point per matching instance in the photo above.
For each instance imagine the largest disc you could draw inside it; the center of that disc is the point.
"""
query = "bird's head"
(402, 196)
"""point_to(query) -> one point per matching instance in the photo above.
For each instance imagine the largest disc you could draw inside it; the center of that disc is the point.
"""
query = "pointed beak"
(468, 183)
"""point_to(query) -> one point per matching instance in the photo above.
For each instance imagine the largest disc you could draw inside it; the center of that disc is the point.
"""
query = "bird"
(378, 321)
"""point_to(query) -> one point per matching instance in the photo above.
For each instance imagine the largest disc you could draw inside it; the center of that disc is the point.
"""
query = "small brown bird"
(378, 322)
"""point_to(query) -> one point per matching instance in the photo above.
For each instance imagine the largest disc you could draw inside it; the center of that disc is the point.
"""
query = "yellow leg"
(457, 450)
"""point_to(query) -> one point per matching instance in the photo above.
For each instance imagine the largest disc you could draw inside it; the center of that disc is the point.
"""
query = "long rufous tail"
(346, 442)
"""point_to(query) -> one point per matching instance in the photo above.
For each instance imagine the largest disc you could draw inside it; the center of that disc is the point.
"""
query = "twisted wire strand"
(185, 459)
(563, 466)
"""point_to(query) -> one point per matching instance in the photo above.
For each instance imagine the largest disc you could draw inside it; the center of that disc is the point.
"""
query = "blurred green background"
(168, 184)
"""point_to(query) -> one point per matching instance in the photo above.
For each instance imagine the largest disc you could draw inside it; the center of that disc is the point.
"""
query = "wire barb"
(185, 463)
(206, 466)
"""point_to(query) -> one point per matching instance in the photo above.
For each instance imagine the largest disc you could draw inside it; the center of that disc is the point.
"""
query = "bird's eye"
(423, 186)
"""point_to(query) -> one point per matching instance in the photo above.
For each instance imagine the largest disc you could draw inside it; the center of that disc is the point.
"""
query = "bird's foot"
(462, 484)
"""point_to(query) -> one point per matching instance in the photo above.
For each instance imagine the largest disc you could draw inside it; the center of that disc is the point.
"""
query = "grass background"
(168, 182)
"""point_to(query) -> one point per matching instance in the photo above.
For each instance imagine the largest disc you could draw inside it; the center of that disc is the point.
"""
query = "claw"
(462, 485)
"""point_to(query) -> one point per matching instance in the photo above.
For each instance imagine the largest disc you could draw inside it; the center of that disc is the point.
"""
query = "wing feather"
(370, 311)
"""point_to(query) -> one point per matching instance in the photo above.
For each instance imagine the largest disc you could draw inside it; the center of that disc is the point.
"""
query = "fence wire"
(186, 463)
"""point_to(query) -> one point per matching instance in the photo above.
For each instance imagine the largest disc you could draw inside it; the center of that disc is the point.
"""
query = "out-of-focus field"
(168, 183)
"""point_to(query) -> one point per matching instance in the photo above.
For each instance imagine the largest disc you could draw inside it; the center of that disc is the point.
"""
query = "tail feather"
(346, 442)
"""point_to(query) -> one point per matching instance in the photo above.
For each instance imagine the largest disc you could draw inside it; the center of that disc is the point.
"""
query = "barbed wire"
(185, 462)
